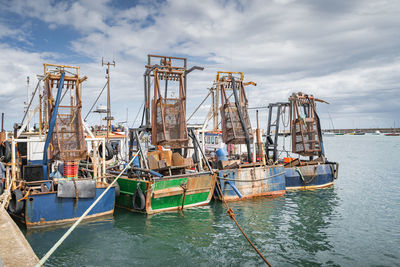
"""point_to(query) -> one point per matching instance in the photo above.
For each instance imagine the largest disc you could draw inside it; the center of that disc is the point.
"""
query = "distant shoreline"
(364, 130)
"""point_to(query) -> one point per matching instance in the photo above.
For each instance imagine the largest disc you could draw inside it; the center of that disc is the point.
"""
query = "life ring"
(109, 151)
(16, 206)
(138, 197)
(5, 152)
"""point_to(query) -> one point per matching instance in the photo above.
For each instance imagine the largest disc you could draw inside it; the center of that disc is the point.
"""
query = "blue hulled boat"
(251, 181)
(306, 166)
(311, 176)
(55, 172)
(46, 208)
(242, 169)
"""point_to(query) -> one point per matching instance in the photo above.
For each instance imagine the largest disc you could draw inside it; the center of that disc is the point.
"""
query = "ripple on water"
(356, 222)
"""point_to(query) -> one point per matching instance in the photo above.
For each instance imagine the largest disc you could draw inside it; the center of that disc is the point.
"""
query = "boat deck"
(15, 249)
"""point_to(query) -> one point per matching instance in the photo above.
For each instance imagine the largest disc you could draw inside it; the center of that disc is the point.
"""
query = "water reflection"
(289, 230)
(73, 251)
(309, 215)
(342, 225)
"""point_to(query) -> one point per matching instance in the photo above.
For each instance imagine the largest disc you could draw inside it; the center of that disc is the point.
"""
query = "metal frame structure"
(305, 125)
(305, 128)
(68, 141)
(223, 81)
(168, 114)
(235, 118)
(236, 127)
(271, 142)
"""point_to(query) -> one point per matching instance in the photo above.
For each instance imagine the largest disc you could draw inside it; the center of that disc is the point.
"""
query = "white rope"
(59, 242)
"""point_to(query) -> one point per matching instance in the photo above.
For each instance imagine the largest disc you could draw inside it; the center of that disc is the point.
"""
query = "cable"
(232, 216)
(137, 115)
(59, 242)
(95, 101)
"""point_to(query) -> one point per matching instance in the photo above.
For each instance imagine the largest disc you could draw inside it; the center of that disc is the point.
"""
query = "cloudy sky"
(345, 52)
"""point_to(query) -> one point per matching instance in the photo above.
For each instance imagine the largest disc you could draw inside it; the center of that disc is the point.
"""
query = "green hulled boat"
(168, 173)
(167, 193)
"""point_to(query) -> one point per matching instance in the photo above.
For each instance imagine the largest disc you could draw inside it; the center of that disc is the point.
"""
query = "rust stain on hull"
(69, 221)
(267, 194)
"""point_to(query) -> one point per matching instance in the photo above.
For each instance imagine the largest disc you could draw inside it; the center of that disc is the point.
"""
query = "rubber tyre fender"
(138, 194)
(6, 152)
(16, 206)
(109, 151)
(117, 190)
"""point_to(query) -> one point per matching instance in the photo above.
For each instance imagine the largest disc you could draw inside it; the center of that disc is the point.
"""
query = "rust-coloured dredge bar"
(168, 113)
(68, 142)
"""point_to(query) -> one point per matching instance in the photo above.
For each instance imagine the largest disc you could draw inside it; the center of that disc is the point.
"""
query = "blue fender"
(234, 188)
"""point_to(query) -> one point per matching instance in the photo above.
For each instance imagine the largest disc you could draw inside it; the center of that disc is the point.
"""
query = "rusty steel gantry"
(305, 127)
(68, 141)
(168, 113)
(236, 127)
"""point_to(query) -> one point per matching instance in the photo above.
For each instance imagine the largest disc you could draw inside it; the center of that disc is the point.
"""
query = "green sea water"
(354, 223)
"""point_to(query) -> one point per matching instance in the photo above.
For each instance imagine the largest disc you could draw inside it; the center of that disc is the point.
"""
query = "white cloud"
(343, 52)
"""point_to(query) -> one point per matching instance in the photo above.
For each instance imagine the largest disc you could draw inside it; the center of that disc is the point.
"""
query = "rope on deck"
(231, 214)
(59, 242)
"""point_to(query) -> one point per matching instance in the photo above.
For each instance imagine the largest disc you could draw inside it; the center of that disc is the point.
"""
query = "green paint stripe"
(125, 192)
(176, 201)
(163, 184)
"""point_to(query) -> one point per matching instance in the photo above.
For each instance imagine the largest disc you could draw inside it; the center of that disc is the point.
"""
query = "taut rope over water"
(59, 242)
(232, 216)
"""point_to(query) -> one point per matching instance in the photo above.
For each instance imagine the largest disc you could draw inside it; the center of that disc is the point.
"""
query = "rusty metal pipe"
(193, 68)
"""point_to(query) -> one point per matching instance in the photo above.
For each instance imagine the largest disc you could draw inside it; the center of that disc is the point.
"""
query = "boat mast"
(108, 118)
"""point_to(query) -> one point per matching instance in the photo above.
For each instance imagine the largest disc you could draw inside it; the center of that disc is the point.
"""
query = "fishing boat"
(306, 166)
(328, 134)
(339, 133)
(357, 133)
(394, 133)
(377, 132)
(167, 172)
(239, 160)
(45, 183)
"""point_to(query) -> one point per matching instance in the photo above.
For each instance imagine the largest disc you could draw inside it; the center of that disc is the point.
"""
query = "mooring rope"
(255, 180)
(232, 216)
(303, 178)
(59, 242)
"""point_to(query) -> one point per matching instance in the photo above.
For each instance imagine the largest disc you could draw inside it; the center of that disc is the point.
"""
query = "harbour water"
(354, 223)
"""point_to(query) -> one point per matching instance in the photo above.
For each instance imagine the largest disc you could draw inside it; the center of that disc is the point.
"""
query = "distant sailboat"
(394, 131)
(333, 127)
